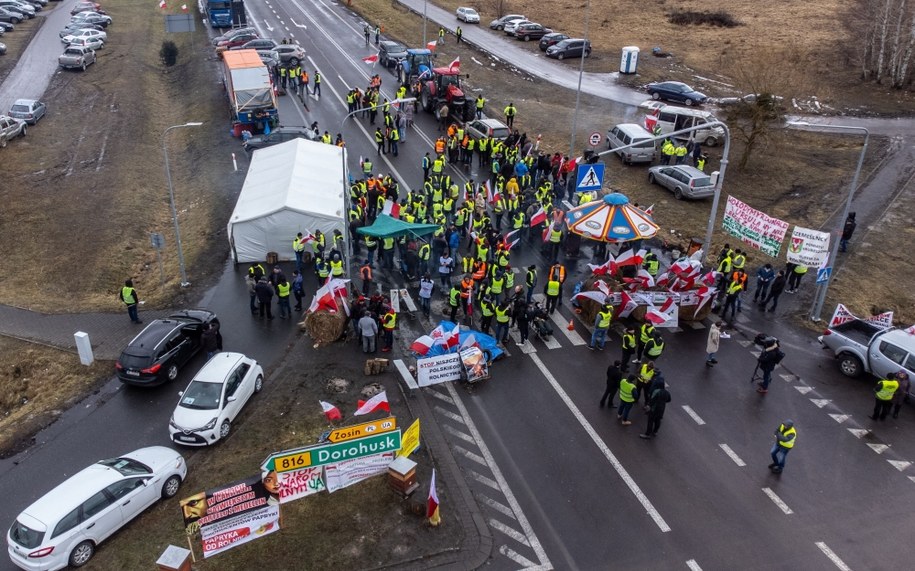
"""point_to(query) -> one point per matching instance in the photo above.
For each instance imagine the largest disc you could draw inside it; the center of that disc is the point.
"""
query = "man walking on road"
(770, 356)
(510, 112)
(130, 298)
(601, 325)
(628, 395)
(778, 286)
(657, 403)
(847, 231)
(711, 345)
(785, 436)
(900, 394)
(458, 33)
(628, 347)
(883, 395)
(614, 376)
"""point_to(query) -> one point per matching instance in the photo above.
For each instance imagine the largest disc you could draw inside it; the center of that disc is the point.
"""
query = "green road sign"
(332, 453)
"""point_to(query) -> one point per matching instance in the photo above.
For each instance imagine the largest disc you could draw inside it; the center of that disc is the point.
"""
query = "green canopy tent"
(387, 227)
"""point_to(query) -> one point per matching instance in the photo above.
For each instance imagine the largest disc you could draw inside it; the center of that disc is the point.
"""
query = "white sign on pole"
(440, 369)
(808, 247)
(349, 472)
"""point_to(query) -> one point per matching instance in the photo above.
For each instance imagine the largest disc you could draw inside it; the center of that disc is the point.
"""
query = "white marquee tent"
(296, 186)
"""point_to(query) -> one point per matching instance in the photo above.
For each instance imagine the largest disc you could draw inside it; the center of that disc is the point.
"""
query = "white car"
(468, 15)
(91, 43)
(96, 34)
(214, 398)
(65, 526)
(509, 28)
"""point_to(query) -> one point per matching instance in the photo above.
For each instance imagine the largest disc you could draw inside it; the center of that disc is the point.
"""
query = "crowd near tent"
(387, 227)
(296, 186)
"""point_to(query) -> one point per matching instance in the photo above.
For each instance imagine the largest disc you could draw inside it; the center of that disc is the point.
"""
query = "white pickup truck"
(863, 347)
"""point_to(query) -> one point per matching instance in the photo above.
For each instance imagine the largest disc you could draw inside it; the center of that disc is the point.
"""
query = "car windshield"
(126, 466)
(25, 536)
(20, 108)
(202, 396)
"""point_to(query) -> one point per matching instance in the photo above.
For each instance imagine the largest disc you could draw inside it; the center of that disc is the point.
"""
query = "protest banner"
(808, 247)
(410, 442)
(440, 369)
(753, 227)
(349, 472)
(297, 484)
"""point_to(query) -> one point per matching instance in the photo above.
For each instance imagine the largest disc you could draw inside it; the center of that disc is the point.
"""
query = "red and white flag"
(630, 258)
(377, 402)
(456, 64)
(650, 210)
(431, 45)
(507, 241)
(607, 267)
(710, 278)
(546, 232)
(324, 299)
(650, 123)
(423, 345)
(330, 411)
(470, 341)
(391, 208)
(438, 334)
(370, 59)
(663, 315)
(910, 330)
(452, 338)
(627, 304)
(184, 7)
(645, 277)
(306, 237)
(705, 294)
(162, 4)
(539, 217)
(598, 296)
(432, 512)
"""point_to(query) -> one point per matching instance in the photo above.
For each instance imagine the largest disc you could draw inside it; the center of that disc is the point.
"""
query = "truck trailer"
(250, 91)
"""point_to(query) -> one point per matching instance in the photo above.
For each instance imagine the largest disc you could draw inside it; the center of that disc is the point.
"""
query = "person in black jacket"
(614, 376)
(778, 286)
(657, 403)
(847, 231)
(264, 292)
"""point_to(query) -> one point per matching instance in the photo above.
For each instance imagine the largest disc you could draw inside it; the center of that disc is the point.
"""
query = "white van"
(643, 149)
(672, 118)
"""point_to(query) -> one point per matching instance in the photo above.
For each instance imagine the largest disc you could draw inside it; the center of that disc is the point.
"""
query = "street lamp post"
(171, 199)
(581, 71)
(425, 3)
(346, 237)
(820, 297)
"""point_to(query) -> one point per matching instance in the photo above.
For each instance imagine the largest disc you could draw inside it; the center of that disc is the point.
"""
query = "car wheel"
(2, 143)
(84, 66)
(651, 178)
(225, 428)
(172, 372)
(15, 20)
(294, 61)
(170, 487)
(24, 129)
(527, 38)
(560, 55)
(258, 383)
(711, 141)
(688, 102)
(81, 554)
(678, 194)
(656, 96)
(850, 365)
(588, 53)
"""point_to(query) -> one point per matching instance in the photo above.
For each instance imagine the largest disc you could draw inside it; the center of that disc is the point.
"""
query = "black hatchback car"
(551, 40)
(163, 347)
(569, 48)
(390, 53)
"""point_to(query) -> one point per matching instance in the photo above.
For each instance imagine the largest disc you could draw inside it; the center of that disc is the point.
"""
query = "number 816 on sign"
(293, 462)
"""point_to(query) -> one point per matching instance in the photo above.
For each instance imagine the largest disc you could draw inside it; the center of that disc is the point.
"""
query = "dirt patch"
(38, 384)
(363, 526)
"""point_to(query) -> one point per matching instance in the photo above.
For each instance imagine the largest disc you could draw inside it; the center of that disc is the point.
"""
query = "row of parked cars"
(555, 44)
(270, 51)
(13, 12)
(85, 34)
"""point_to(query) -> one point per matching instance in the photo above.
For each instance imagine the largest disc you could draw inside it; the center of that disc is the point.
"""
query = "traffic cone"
(571, 326)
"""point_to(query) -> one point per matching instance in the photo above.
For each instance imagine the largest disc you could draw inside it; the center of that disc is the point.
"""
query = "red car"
(85, 7)
(237, 40)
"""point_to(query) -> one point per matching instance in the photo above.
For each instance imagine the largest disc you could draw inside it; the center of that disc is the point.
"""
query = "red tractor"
(444, 88)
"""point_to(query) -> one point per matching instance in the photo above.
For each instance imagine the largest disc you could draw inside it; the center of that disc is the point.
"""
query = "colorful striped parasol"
(612, 219)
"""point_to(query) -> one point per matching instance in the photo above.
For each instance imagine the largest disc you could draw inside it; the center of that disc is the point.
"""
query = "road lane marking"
(840, 418)
(483, 479)
(787, 378)
(820, 402)
(521, 560)
(511, 532)
(879, 448)
(732, 455)
(617, 465)
(496, 505)
(448, 414)
(693, 415)
(455, 432)
(469, 455)
(778, 501)
(832, 556)
(803, 389)
(859, 432)
(693, 565)
(563, 326)
(526, 347)
(440, 396)
(500, 478)
(899, 464)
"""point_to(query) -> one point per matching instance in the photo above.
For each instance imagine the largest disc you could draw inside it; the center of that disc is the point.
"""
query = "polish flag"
(423, 345)
(456, 64)
(162, 4)
(607, 267)
(431, 45)
(432, 512)
(507, 241)
(645, 277)
(539, 217)
(627, 304)
(650, 210)
(324, 299)
(546, 233)
(910, 330)
(471, 341)
(630, 258)
(650, 123)
(662, 280)
(307, 237)
(491, 197)
(452, 338)
(391, 208)
(370, 59)
(377, 402)
(710, 278)
(659, 316)
(705, 294)
(330, 411)
(598, 296)
(438, 334)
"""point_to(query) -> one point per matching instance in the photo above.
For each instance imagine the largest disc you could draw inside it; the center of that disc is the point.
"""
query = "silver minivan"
(642, 149)
(682, 180)
(672, 118)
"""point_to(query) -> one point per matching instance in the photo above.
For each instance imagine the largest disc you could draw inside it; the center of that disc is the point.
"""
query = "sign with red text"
(753, 227)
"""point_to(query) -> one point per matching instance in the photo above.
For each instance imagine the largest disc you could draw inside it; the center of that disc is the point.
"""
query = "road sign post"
(590, 177)
(823, 274)
(330, 453)
(594, 139)
(360, 430)
(158, 242)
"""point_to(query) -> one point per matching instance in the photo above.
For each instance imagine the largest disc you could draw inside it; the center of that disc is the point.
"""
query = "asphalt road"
(595, 494)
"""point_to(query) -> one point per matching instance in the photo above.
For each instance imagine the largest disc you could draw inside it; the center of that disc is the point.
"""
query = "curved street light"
(171, 198)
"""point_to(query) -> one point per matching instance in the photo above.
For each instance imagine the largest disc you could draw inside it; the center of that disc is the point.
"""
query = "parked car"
(76, 57)
(391, 53)
(551, 40)
(494, 128)
(36, 4)
(28, 110)
(6, 26)
(509, 27)
(91, 43)
(239, 40)
(643, 145)
(88, 34)
(69, 29)
(863, 347)
(676, 91)
(65, 526)
(85, 7)
(231, 34)
(2, 48)
(11, 16)
(163, 347)
(569, 48)
(269, 57)
(214, 398)
(258, 44)
(290, 53)
(468, 15)
(10, 128)
(21, 7)
(500, 23)
(528, 32)
(102, 20)
(675, 118)
(280, 135)
(683, 180)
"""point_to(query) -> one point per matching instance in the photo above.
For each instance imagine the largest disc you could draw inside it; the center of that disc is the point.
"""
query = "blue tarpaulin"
(486, 342)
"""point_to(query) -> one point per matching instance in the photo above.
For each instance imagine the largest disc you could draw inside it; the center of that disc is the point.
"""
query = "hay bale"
(685, 312)
(325, 327)
(375, 366)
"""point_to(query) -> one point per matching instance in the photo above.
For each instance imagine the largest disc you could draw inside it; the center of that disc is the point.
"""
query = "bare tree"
(497, 6)
(889, 40)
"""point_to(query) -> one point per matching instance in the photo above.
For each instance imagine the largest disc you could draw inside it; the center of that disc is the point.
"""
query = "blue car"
(676, 92)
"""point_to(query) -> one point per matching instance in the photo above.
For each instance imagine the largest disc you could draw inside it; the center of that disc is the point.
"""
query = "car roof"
(70, 493)
(25, 102)
(392, 43)
(491, 122)
(218, 368)
(692, 171)
(901, 338)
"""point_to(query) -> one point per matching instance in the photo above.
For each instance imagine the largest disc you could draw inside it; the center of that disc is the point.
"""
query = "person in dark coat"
(614, 376)
(209, 340)
(847, 231)
(657, 403)
(775, 290)
(264, 292)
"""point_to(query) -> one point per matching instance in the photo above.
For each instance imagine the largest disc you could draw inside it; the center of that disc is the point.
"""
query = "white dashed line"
(483, 479)
(859, 432)
(627, 479)
(732, 455)
(840, 418)
(457, 433)
(820, 402)
(899, 464)
(470, 455)
(693, 565)
(521, 560)
(448, 414)
(832, 556)
(879, 448)
(498, 506)
(511, 532)
(803, 389)
(693, 415)
(778, 501)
